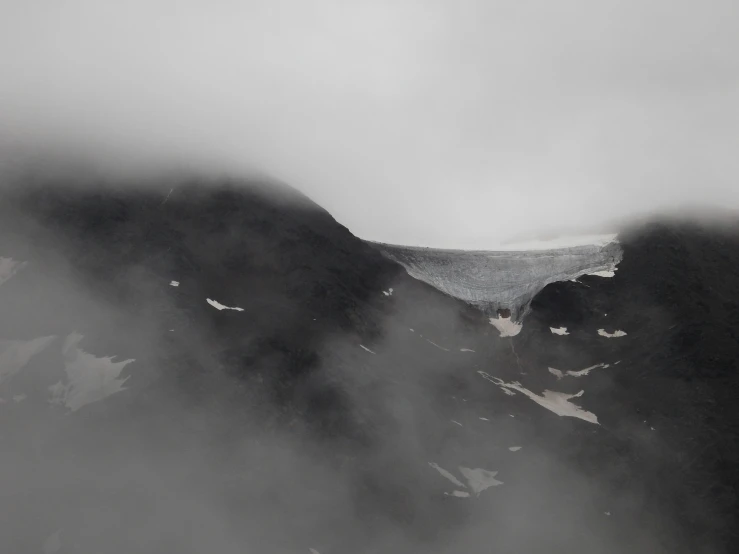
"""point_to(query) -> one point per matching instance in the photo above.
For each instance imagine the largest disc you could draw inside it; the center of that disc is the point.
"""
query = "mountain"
(192, 365)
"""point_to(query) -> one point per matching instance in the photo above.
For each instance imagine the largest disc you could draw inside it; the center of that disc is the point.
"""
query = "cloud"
(420, 122)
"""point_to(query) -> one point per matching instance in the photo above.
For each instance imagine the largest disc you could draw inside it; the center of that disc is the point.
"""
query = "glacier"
(503, 279)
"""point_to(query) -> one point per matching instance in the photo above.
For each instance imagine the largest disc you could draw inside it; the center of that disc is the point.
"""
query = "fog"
(419, 122)
(267, 430)
(458, 124)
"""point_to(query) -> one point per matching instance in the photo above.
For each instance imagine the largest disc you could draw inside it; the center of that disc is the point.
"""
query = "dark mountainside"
(315, 417)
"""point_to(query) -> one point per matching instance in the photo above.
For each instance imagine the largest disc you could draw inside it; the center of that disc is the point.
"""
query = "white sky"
(448, 123)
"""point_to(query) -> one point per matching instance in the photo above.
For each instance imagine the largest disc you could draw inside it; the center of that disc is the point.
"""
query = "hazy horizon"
(454, 125)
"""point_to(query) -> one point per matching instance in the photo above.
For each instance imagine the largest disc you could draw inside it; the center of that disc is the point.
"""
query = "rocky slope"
(341, 405)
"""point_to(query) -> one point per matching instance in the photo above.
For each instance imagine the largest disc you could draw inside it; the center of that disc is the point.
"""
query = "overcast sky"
(436, 122)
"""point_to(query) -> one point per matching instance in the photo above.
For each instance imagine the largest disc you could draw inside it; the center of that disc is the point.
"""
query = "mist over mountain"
(497, 119)
(386, 277)
(198, 364)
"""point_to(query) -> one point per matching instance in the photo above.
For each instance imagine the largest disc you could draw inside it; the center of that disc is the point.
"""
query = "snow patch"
(479, 479)
(515, 448)
(556, 402)
(580, 373)
(506, 327)
(559, 331)
(458, 494)
(447, 475)
(8, 268)
(615, 334)
(604, 273)
(484, 419)
(556, 372)
(466, 350)
(174, 283)
(436, 345)
(15, 354)
(388, 292)
(218, 306)
(89, 378)
(367, 349)
(587, 370)
(457, 422)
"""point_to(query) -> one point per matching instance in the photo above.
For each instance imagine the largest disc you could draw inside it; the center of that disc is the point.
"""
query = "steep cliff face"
(491, 280)
(209, 366)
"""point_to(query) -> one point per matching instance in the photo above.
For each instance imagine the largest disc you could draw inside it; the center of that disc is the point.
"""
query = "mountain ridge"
(323, 405)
